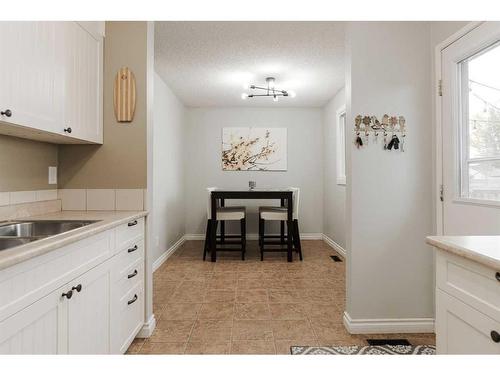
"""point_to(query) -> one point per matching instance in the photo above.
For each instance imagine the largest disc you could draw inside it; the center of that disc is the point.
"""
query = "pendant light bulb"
(292, 94)
(244, 96)
(275, 98)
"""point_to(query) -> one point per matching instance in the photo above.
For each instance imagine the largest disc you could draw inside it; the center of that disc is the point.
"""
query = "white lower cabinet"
(88, 312)
(38, 329)
(467, 307)
(99, 311)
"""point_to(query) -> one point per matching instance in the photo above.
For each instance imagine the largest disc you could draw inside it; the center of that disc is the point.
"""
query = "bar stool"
(224, 214)
(280, 214)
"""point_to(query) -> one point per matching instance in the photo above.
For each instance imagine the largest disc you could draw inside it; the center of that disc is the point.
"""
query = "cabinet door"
(83, 84)
(461, 329)
(88, 316)
(30, 74)
(38, 329)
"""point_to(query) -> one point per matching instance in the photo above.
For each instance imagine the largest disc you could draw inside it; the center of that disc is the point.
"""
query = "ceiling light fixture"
(269, 91)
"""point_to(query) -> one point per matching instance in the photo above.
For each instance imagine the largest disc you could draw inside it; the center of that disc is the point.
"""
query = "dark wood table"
(286, 197)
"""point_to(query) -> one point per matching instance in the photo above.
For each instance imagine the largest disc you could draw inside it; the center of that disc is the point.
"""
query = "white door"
(471, 132)
(82, 87)
(38, 329)
(30, 74)
(89, 311)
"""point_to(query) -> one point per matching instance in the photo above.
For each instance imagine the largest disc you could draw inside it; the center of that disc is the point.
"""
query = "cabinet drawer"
(470, 282)
(461, 329)
(126, 258)
(129, 277)
(129, 318)
(129, 231)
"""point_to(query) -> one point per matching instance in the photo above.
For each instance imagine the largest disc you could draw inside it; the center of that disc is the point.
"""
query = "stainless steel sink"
(21, 232)
(40, 228)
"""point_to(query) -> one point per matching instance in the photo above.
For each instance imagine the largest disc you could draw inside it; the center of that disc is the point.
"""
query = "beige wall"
(121, 161)
(24, 164)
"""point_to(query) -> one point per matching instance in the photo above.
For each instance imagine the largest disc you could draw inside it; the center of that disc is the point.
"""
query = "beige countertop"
(482, 249)
(107, 220)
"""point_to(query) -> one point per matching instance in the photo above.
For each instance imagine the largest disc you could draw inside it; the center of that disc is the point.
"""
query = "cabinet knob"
(132, 249)
(497, 275)
(132, 223)
(68, 130)
(7, 113)
(78, 288)
(68, 294)
(495, 336)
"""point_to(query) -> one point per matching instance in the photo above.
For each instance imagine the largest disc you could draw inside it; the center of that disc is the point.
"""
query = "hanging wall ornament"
(358, 142)
(402, 129)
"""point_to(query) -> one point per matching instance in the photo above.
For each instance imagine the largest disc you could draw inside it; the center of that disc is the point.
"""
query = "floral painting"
(254, 149)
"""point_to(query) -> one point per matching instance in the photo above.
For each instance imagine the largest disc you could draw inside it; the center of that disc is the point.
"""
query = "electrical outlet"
(52, 175)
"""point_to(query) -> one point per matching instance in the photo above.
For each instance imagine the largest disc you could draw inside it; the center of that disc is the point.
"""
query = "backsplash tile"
(100, 199)
(73, 199)
(45, 195)
(4, 199)
(18, 197)
(129, 199)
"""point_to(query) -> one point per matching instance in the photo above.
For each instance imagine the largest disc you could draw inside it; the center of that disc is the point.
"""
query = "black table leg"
(213, 230)
(289, 226)
(282, 225)
(222, 226)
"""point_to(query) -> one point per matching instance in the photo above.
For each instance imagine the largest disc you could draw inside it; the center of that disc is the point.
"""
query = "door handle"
(132, 300)
(133, 274)
(132, 223)
(132, 249)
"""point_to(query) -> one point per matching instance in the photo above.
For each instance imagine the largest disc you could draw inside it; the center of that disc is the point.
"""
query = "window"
(480, 125)
(341, 146)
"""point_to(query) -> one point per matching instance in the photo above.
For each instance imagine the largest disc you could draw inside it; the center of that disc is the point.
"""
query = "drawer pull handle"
(78, 288)
(497, 275)
(495, 336)
(132, 249)
(68, 294)
(7, 113)
(132, 223)
(132, 300)
(133, 274)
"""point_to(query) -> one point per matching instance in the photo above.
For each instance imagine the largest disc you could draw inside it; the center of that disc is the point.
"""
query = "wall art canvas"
(254, 149)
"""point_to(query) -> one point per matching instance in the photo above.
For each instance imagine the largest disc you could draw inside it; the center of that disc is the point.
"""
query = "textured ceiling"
(207, 63)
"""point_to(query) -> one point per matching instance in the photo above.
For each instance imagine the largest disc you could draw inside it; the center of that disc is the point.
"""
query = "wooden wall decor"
(124, 95)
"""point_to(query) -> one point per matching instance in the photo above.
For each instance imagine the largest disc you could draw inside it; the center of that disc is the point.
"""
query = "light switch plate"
(52, 175)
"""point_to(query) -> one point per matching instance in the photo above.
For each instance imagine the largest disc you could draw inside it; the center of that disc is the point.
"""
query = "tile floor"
(250, 307)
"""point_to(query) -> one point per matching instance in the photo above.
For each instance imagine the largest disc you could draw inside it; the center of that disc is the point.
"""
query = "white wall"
(389, 197)
(305, 161)
(334, 194)
(168, 168)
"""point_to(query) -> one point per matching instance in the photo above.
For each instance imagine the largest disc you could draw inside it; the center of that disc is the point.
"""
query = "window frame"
(463, 154)
(340, 143)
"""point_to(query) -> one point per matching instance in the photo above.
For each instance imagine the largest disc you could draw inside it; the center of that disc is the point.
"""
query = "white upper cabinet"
(30, 75)
(82, 84)
(51, 82)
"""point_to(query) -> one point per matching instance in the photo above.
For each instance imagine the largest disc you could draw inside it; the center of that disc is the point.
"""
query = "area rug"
(364, 350)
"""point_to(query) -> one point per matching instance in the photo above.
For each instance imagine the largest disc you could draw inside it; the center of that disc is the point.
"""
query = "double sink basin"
(15, 233)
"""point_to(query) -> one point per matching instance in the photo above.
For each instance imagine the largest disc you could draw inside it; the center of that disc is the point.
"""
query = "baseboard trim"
(255, 236)
(163, 257)
(148, 327)
(339, 249)
(366, 326)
